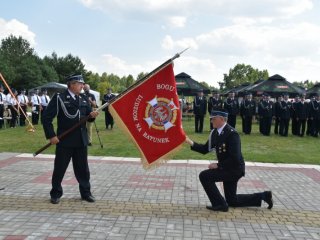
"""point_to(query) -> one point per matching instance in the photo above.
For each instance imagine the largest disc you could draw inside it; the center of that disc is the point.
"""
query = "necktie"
(45, 97)
(1, 97)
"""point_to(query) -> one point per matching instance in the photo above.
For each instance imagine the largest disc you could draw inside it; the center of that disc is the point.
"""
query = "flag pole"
(137, 83)
(19, 107)
(140, 81)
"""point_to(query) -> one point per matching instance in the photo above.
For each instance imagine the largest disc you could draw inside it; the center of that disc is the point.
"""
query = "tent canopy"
(239, 90)
(275, 86)
(187, 86)
(54, 87)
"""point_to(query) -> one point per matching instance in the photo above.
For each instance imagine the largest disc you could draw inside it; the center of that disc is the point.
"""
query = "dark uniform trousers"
(230, 169)
(35, 115)
(285, 108)
(294, 121)
(14, 115)
(276, 113)
(247, 111)
(80, 167)
(230, 179)
(284, 126)
(108, 117)
(22, 116)
(265, 113)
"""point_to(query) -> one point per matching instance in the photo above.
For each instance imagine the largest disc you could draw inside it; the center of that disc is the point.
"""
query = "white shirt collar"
(221, 128)
(72, 94)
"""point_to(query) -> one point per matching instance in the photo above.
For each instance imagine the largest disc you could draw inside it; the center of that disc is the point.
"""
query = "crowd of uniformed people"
(14, 108)
(303, 115)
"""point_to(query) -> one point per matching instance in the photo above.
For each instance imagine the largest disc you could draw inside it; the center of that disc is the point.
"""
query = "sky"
(132, 36)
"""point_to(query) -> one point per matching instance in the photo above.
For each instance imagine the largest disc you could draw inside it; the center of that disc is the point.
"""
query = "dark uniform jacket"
(228, 149)
(200, 106)
(90, 95)
(107, 98)
(315, 110)
(285, 109)
(265, 108)
(214, 104)
(78, 137)
(232, 106)
(248, 108)
(301, 110)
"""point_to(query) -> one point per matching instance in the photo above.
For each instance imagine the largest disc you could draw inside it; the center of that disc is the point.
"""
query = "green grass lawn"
(255, 147)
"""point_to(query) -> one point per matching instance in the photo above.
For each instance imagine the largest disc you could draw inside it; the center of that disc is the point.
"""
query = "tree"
(242, 73)
(65, 66)
(93, 79)
(307, 84)
(141, 75)
(21, 66)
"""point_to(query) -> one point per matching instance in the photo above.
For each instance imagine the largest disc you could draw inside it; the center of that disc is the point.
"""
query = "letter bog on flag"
(150, 114)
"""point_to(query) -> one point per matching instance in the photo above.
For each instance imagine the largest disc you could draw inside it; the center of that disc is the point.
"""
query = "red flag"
(150, 113)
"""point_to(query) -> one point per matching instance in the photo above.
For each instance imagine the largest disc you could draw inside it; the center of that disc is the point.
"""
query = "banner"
(150, 113)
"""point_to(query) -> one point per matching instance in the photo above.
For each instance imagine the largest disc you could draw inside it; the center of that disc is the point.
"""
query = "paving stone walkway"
(164, 203)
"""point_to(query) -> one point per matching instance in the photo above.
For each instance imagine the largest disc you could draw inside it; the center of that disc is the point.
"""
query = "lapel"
(72, 100)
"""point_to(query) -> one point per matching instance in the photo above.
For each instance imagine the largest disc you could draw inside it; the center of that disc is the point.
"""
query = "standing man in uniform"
(36, 107)
(108, 117)
(23, 101)
(315, 116)
(247, 112)
(2, 101)
(199, 111)
(294, 121)
(93, 103)
(225, 142)
(265, 110)
(309, 119)
(69, 107)
(301, 116)
(45, 99)
(276, 114)
(285, 113)
(214, 103)
(231, 105)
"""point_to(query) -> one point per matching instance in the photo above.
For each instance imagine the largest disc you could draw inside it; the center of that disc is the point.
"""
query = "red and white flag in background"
(150, 113)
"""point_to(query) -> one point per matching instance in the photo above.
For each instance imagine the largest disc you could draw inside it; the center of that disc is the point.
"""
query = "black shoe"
(268, 199)
(89, 144)
(218, 208)
(89, 198)
(55, 200)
